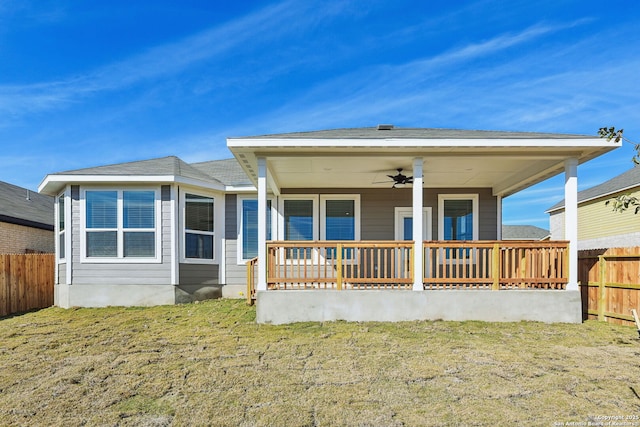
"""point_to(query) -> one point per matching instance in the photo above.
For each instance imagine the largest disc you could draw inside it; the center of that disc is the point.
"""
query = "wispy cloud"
(427, 84)
(165, 60)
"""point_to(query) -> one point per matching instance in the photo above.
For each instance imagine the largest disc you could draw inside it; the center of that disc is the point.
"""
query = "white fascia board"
(395, 143)
(52, 183)
(240, 189)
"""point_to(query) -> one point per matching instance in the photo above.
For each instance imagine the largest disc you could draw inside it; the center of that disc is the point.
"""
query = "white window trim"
(66, 195)
(120, 229)
(475, 209)
(401, 212)
(274, 220)
(218, 215)
(323, 212)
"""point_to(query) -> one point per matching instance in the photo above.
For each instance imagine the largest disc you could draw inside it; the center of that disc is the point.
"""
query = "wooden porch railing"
(339, 265)
(496, 265)
(252, 279)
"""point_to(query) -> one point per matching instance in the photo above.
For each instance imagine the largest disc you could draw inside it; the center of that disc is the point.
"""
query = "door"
(404, 223)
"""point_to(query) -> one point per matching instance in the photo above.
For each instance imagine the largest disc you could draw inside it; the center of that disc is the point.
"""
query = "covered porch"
(440, 250)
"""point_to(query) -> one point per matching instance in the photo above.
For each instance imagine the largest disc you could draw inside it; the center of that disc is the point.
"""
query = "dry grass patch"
(209, 363)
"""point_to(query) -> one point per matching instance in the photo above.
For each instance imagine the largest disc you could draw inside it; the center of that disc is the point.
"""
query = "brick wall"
(16, 239)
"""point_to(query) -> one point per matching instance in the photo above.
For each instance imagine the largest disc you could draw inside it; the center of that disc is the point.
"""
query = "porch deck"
(388, 265)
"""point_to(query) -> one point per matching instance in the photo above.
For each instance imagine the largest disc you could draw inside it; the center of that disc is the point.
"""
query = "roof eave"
(54, 184)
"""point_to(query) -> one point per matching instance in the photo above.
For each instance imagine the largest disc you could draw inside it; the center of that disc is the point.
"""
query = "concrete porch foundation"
(280, 307)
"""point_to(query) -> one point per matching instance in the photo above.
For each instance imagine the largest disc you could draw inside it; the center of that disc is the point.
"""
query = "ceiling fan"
(400, 178)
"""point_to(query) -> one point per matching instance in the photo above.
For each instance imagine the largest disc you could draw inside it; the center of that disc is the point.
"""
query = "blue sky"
(90, 83)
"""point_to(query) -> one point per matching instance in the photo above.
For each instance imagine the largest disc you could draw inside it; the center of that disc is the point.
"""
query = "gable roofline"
(412, 133)
(624, 182)
(546, 152)
(170, 169)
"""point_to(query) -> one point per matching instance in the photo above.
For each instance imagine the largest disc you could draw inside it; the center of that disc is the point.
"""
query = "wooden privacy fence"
(26, 282)
(610, 284)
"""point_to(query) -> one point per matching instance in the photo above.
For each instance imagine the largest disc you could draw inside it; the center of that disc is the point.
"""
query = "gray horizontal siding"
(377, 208)
(199, 274)
(235, 273)
(62, 273)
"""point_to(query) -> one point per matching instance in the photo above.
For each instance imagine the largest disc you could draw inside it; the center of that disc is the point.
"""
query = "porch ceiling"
(506, 166)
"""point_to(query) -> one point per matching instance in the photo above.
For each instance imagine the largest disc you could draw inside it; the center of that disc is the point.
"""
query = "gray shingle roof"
(397, 132)
(25, 207)
(523, 232)
(624, 181)
(227, 171)
(171, 165)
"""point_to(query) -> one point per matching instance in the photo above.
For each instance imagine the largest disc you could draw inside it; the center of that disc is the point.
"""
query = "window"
(61, 228)
(248, 227)
(198, 227)
(340, 217)
(121, 224)
(298, 219)
(458, 217)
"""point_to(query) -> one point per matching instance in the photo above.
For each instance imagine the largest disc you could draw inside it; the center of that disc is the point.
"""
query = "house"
(599, 227)
(26, 220)
(379, 223)
(525, 232)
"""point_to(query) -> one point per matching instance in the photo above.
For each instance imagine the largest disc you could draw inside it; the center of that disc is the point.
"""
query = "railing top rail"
(501, 243)
(344, 243)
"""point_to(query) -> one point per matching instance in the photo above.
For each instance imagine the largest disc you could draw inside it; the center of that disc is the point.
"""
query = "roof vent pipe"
(385, 127)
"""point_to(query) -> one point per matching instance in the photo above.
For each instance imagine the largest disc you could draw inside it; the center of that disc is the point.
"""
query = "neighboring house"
(26, 220)
(599, 227)
(524, 232)
(342, 209)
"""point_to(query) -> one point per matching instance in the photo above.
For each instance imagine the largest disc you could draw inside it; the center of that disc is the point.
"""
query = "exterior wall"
(377, 208)
(556, 225)
(600, 227)
(377, 211)
(236, 273)
(199, 274)
(16, 239)
(280, 307)
(62, 273)
(121, 273)
(597, 220)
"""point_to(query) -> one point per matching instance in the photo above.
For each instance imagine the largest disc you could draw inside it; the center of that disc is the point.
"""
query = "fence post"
(602, 263)
(249, 281)
(339, 266)
(495, 267)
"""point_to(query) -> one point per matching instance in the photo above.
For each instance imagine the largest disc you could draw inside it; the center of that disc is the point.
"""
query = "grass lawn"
(210, 364)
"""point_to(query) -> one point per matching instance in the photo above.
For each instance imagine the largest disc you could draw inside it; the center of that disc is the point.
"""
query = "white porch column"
(418, 257)
(262, 224)
(499, 218)
(571, 219)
